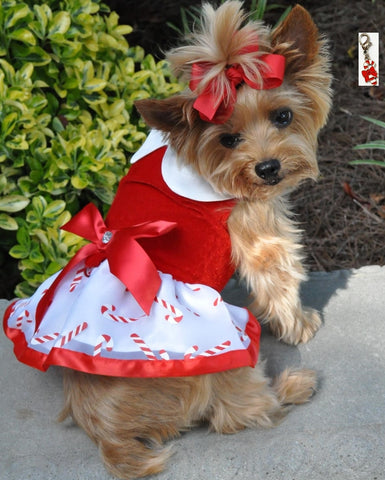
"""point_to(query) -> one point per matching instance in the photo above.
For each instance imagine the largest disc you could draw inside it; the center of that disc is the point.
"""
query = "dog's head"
(257, 100)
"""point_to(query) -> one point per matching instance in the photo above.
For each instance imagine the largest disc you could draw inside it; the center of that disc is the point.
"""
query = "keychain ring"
(365, 44)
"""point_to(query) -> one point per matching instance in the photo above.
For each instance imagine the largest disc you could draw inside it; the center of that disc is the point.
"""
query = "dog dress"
(142, 298)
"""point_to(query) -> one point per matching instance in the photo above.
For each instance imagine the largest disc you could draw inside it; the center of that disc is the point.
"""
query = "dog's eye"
(282, 117)
(230, 140)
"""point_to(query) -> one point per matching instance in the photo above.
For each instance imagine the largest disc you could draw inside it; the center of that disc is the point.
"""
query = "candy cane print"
(24, 316)
(215, 350)
(70, 335)
(105, 340)
(195, 313)
(369, 73)
(79, 275)
(217, 301)
(164, 355)
(195, 289)
(176, 315)
(240, 332)
(45, 338)
(107, 312)
(192, 287)
(142, 345)
(190, 352)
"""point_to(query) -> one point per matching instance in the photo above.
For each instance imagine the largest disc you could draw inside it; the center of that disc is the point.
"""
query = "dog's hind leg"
(129, 419)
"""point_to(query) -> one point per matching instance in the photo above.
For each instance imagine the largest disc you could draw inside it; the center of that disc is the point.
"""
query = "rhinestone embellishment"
(106, 237)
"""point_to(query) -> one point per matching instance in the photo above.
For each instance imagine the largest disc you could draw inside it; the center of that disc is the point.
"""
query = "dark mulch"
(339, 231)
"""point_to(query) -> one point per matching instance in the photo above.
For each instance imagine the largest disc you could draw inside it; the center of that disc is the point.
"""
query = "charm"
(369, 70)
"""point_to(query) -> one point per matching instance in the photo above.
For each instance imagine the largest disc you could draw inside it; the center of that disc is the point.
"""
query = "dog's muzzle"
(269, 171)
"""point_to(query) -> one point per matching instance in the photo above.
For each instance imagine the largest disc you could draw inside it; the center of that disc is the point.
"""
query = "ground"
(341, 230)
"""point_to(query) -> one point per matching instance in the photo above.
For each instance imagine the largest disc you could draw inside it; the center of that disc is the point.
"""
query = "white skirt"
(95, 325)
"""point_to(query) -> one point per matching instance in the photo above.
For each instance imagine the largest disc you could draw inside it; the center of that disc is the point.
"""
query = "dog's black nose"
(269, 170)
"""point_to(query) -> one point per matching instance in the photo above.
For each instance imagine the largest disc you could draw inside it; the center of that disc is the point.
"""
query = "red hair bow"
(126, 257)
(218, 110)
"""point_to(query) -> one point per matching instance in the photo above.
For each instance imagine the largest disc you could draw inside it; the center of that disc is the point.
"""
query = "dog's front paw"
(310, 322)
(306, 323)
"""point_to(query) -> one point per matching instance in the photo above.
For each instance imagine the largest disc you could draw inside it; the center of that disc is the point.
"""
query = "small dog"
(257, 145)
(224, 154)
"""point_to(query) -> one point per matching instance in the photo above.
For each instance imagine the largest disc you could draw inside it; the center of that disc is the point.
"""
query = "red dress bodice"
(198, 250)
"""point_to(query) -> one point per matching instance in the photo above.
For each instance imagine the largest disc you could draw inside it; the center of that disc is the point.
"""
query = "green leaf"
(54, 209)
(33, 218)
(18, 143)
(26, 71)
(26, 185)
(23, 237)
(379, 123)
(8, 123)
(122, 29)
(39, 204)
(108, 41)
(60, 23)
(35, 55)
(378, 144)
(43, 13)
(16, 13)
(78, 182)
(149, 63)
(261, 7)
(19, 251)
(377, 163)
(7, 222)
(23, 35)
(35, 255)
(24, 290)
(13, 203)
(8, 70)
(95, 85)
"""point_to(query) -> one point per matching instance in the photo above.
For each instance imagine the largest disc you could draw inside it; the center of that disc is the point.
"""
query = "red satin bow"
(126, 258)
(218, 110)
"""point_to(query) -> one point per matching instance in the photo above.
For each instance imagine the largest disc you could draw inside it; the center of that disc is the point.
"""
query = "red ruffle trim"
(135, 368)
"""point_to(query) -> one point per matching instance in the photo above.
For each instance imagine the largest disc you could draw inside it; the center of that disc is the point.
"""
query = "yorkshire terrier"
(264, 149)
(248, 127)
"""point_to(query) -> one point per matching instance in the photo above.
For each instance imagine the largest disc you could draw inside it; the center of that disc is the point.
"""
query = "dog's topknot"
(222, 38)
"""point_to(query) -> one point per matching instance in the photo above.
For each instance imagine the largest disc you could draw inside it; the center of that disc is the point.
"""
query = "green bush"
(68, 81)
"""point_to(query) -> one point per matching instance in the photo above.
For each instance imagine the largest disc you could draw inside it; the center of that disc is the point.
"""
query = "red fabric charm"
(218, 110)
(127, 259)
(370, 73)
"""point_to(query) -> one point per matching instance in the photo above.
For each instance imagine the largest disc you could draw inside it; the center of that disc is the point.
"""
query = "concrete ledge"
(339, 435)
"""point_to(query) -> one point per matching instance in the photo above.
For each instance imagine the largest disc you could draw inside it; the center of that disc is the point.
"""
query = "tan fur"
(129, 419)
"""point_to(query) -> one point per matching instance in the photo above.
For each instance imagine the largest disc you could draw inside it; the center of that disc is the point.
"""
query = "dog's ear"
(296, 38)
(169, 115)
(307, 60)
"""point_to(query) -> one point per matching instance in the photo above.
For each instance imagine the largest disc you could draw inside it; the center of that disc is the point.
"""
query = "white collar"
(179, 177)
